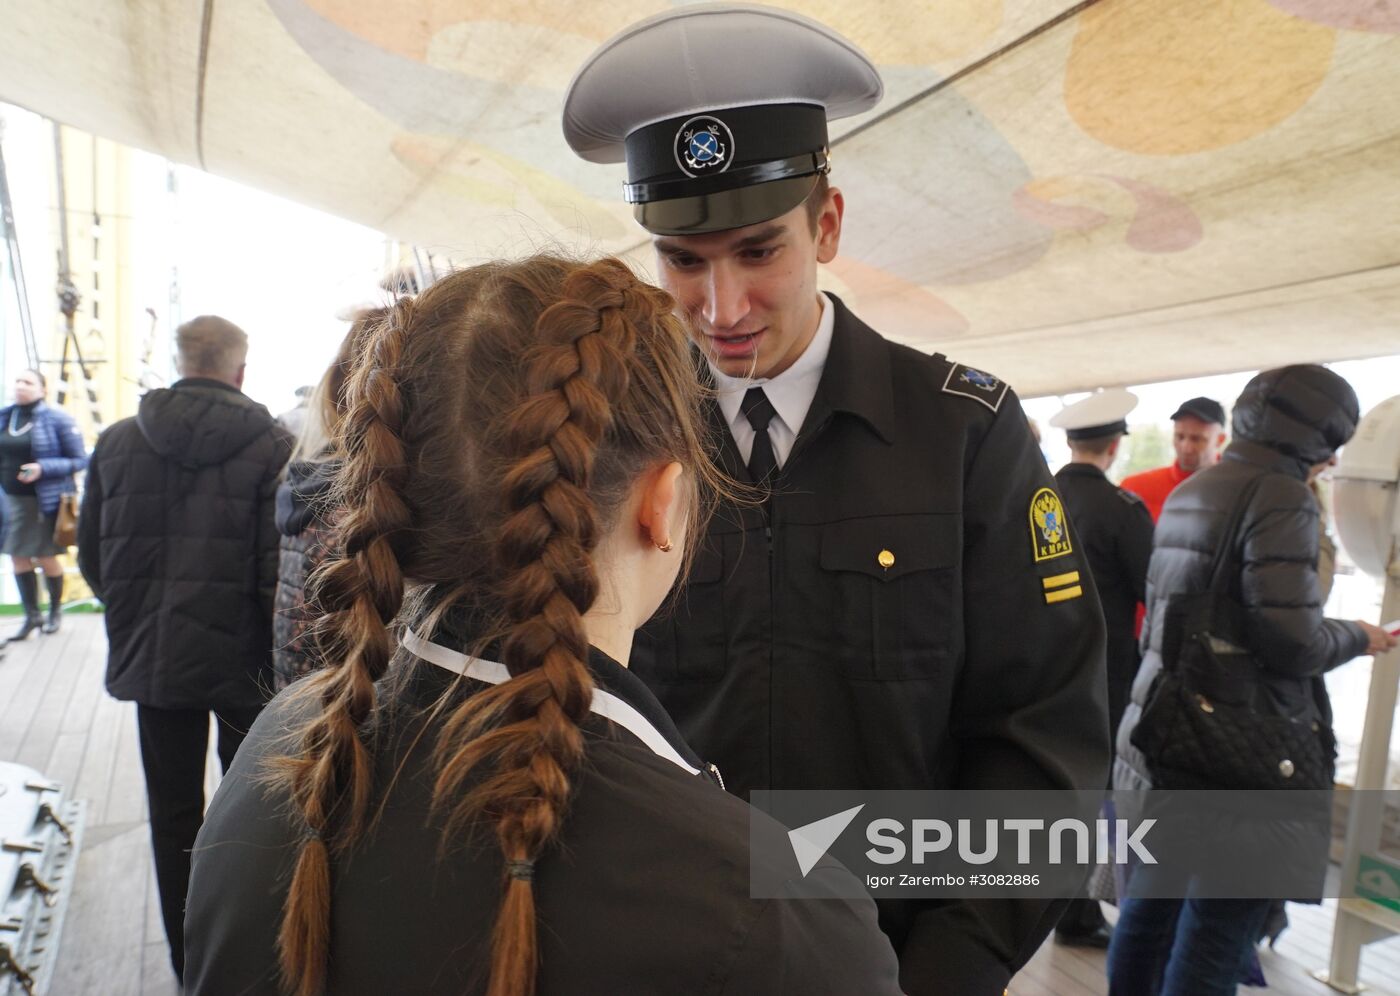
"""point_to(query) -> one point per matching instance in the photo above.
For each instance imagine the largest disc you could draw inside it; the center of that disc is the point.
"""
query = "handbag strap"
(1219, 578)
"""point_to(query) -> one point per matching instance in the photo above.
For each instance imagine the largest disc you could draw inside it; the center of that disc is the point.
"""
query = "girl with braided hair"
(474, 795)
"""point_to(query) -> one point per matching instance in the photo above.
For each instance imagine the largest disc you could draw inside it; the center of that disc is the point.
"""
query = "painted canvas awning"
(1068, 194)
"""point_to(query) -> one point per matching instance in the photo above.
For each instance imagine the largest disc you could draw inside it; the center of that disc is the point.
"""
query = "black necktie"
(760, 411)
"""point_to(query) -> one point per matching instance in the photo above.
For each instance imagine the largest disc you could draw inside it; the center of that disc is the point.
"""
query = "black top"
(16, 449)
(1115, 530)
(1275, 546)
(647, 892)
(304, 513)
(903, 619)
(176, 537)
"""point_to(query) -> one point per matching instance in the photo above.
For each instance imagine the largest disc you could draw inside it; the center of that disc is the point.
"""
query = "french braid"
(544, 555)
(358, 595)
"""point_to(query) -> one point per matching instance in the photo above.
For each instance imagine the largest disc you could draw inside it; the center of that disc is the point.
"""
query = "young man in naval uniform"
(909, 608)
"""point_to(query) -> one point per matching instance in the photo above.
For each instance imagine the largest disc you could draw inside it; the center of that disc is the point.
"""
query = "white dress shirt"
(791, 392)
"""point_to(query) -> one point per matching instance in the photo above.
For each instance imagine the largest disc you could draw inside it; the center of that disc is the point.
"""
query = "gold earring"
(663, 547)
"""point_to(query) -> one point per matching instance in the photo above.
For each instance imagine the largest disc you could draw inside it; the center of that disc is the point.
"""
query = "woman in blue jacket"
(41, 449)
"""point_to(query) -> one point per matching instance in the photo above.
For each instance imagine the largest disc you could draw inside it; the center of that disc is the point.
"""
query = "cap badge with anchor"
(703, 145)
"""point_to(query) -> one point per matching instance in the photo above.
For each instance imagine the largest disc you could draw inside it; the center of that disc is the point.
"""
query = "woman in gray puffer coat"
(306, 505)
(1288, 425)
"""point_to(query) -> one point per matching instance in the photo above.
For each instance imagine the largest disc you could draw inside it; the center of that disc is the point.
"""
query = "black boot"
(55, 586)
(29, 597)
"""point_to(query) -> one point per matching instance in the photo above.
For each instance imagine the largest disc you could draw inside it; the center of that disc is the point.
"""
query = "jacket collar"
(1245, 451)
(203, 382)
(618, 696)
(857, 378)
(33, 409)
(1075, 469)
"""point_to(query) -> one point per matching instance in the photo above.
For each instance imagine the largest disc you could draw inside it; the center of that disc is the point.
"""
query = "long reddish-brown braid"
(527, 730)
(358, 594)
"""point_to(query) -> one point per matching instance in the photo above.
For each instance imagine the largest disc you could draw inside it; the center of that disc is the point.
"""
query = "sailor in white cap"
(1115, 531)
(908, 609)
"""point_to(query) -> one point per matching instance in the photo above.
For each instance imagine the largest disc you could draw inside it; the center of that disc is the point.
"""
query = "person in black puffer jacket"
(306, 508)
(304, 521)
(176, 538)
(1288, 425)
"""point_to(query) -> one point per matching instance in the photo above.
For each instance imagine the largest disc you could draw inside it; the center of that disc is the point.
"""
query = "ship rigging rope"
(7, 220)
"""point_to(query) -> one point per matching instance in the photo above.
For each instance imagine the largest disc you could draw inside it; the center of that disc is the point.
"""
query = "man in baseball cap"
(1198, 438)
(908, 608)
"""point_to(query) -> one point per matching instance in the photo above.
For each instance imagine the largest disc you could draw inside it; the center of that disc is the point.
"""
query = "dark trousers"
(174, 744)
(1183, 947)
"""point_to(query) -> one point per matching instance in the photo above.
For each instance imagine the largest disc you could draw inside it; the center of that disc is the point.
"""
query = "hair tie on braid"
(523, 871)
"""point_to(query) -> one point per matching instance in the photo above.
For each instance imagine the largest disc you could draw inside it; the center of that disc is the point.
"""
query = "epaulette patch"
(976, 385)
(1130, 497)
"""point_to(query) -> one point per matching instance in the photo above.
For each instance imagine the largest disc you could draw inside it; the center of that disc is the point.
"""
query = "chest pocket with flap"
(892, 585)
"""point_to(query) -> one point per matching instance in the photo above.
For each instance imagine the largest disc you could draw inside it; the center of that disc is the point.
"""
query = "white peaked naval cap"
(1103, 413)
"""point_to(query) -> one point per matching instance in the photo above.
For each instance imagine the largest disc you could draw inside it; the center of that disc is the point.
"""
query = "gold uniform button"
(885, 559)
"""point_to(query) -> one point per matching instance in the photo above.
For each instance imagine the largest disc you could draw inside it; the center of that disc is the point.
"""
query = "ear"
(829, 225)
(238, 377)
(658, 503)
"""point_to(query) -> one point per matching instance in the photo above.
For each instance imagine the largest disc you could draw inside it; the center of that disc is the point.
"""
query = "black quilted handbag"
(1209, 721)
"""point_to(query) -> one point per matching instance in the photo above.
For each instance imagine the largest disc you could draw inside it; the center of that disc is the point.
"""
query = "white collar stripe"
(604, 703)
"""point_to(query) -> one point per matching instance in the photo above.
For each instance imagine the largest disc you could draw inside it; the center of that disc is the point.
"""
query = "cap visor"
(719, 212)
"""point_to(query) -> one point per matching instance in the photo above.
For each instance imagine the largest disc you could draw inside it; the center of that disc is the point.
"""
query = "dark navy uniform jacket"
(1115, 528)
(647, 891)
(916, 615)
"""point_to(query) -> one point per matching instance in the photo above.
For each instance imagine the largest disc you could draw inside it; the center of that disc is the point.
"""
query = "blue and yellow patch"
(1049, 526)
(975, 384)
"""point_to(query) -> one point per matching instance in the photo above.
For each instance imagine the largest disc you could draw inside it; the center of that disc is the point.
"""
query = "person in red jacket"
(1198, 438)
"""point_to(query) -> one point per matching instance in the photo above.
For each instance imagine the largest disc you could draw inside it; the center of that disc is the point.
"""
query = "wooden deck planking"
(127, 799)
(1308, 943)
(52, 703)
(31, 658)
(88, 692)
(99, 760)
(157, 976)
(102, 948)
(66, 669)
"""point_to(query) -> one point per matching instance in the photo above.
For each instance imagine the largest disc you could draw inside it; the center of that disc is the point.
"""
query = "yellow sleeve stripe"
(1064, 594)
(1060, 580)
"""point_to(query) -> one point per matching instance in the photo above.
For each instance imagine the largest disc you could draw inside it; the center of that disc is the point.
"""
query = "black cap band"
(1119, 428)
(747, 176)
(697, 154)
